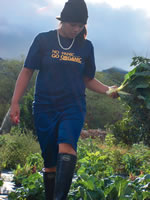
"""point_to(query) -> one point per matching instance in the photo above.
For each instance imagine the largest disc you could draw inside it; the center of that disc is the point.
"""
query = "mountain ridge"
(115, 69)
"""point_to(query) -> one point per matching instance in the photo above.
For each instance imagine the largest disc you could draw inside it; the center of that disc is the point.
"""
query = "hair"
(82, 36)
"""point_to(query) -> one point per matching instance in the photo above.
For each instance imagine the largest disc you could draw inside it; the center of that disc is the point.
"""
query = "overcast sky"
(118, 29)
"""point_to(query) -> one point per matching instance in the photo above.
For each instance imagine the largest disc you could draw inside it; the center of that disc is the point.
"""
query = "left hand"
(114, 94)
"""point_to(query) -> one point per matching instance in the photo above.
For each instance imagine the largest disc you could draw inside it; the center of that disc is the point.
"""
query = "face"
(71, 29)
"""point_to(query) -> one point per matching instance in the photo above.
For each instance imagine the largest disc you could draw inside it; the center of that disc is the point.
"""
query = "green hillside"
(101, 109)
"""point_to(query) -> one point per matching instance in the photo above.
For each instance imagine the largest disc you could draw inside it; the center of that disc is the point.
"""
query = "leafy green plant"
(86, 187)
(130, 163)
(135, 123)
(86, 146)
(35, 160)
(32, 189)
(21, 173)
(116, 162)
(95, 163)
(1, 182)
(110, 139)
(113, 187)
(142, 157)
(34, 163)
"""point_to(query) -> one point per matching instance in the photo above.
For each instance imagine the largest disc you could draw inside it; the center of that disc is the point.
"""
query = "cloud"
(19, 23)
(51, 8)
(117, 33)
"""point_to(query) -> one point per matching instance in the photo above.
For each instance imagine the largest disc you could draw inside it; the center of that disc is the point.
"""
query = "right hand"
(112, 92)
(15, 113)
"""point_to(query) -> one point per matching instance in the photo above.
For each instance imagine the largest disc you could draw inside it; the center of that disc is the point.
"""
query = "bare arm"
(98, 87)
(95, 85)
(21, 85)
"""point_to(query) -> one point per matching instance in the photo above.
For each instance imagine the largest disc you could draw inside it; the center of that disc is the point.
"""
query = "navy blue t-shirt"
(61, 72)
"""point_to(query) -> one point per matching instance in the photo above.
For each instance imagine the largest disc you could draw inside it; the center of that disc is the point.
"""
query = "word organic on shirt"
(66, 56)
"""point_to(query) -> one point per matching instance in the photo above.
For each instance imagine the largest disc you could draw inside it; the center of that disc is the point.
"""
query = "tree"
(26, 116)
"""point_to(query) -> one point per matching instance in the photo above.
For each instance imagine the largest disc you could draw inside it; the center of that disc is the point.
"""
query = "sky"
(118, 29)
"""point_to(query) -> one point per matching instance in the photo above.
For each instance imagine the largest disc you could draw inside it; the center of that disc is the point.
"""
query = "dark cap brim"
(59, 18)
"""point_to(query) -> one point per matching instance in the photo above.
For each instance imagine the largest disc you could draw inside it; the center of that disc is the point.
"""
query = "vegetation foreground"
(104, 171)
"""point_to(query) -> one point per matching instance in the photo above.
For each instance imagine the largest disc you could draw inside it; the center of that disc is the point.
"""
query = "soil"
(93, 133)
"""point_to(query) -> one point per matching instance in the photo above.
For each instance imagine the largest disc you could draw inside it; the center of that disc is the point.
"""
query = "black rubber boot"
(64, 174)
(49, 184)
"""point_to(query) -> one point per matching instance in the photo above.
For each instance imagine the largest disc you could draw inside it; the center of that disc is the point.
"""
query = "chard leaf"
(148, 105)
(143, 66)
(81, 170)
(128, 76)
(146, 195)
(147, 176)
(90, 183)
(144, 85)
(145, 73)
(141, 97)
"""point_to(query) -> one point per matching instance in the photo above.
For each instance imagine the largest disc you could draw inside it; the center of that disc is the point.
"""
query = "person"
(65, 62)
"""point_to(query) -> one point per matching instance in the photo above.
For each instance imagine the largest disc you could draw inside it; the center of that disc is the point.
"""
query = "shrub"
(17, 146)
(135, 126)
(26, 116)
(34, 163)
(124, 130)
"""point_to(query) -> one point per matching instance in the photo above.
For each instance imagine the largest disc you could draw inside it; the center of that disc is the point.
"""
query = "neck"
(59, 42)
(61, 32)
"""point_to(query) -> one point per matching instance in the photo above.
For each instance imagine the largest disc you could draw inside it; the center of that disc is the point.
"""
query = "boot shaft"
(49, 184)
(64, 174)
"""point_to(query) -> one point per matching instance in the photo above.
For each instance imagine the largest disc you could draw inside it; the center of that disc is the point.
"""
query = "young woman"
(65, 60)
